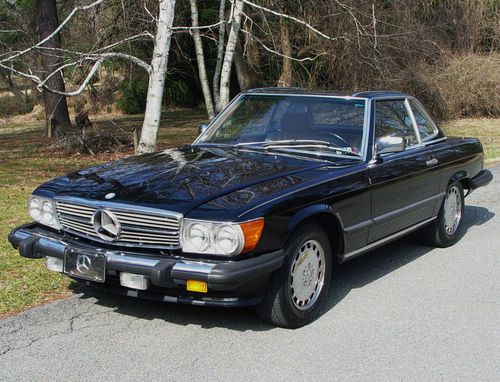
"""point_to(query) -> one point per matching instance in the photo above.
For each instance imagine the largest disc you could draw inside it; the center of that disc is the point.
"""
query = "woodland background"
(445, 52)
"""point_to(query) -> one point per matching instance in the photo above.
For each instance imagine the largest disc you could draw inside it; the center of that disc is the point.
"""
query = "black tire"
(437, 234)
(278, 306)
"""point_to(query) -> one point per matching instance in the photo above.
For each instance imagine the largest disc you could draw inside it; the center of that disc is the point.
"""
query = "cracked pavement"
(402, 312)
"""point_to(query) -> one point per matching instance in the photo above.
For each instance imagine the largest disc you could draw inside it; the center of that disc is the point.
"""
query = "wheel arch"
(462, 177)
(327, 218)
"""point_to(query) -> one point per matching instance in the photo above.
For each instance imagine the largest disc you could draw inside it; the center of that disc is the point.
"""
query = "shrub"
(470, 85)
(133, 99)
(462, 86)
(178, 92)
(10, 105)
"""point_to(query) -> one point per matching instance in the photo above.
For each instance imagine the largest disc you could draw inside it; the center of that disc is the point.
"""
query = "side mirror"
(388, 145)
(201, 128)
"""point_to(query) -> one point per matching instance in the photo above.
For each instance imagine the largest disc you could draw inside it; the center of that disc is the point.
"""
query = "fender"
(464, 178)
(459, 176)
(314, 210)
(310, 211)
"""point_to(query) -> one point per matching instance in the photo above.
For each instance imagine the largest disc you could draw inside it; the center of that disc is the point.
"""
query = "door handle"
(432, 162)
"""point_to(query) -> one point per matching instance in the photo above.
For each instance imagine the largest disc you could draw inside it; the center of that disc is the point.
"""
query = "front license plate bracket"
(85, 265)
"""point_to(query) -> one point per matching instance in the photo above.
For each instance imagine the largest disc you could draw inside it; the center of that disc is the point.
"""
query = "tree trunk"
(200, 58)
(220, 54)
(286, 49)
(248, 78)
(7, 78)
(56, 108)
(157, 77)
(228, 57)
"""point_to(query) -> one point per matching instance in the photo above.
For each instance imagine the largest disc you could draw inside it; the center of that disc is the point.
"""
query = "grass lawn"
(26, 161)
(486, 129)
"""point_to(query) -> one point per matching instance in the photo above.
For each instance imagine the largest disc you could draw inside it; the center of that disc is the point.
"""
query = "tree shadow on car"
(350, 275)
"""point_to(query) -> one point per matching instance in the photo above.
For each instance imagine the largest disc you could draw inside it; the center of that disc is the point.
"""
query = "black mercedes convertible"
(282, 185)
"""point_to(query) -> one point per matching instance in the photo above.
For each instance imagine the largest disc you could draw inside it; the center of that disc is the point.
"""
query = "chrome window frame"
(410, 114)
(426, 115)
(215, 123)
(413, 122)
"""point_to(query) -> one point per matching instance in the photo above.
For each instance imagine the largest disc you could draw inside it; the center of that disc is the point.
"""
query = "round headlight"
(198, 236)
(227, 239)
(47, 213)
(35, 209)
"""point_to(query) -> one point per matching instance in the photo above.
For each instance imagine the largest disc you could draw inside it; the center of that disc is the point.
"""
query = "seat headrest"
(295, 122)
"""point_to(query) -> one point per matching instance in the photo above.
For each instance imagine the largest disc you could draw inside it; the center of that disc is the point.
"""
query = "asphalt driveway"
(402, 312)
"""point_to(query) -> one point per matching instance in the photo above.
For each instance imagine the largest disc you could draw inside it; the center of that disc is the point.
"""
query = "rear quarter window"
(426, 127)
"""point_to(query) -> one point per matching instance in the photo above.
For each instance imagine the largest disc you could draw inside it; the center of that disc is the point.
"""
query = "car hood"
(176, 179)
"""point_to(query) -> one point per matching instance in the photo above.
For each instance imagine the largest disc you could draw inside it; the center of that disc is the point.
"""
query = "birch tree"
(157, 75)
(200, 58)
(220, 53)
(229, 55)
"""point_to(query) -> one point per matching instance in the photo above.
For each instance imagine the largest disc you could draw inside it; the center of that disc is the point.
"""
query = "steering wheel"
(336, 139)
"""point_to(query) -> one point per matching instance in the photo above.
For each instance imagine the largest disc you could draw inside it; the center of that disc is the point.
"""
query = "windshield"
(292, 122)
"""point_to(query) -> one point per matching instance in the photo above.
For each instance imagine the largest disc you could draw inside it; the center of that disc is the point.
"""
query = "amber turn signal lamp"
(252, 231)
(196, 286)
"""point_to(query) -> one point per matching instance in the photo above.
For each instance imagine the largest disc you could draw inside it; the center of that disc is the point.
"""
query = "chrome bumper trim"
(193, 267)
(121, 258)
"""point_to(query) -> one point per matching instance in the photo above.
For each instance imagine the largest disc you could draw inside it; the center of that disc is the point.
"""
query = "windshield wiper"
(282, 142)
(295, 144)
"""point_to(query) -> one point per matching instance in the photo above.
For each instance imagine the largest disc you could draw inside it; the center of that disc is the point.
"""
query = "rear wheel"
(297, 290)
(447, 229)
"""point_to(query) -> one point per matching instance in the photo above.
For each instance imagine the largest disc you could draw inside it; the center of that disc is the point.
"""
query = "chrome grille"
(146, 228)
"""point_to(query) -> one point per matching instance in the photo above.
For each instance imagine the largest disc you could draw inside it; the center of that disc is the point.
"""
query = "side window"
(391, 118)
(426, 127)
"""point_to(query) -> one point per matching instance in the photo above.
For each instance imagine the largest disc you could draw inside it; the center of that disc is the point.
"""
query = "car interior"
(336, 122)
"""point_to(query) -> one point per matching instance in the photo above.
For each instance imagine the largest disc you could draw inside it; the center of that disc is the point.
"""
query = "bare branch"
(273, 51)
(82, 87)
(56, 31)
(285, 16)
(98, 60)
(153, 18)
(198, 27)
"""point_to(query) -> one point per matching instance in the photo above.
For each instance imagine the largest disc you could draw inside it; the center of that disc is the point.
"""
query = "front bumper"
(230, 283)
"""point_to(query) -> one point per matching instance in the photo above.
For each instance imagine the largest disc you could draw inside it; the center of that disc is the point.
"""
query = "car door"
(404, 185)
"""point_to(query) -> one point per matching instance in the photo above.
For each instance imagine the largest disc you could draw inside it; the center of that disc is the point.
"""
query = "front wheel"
(297, 290)
(447, 229)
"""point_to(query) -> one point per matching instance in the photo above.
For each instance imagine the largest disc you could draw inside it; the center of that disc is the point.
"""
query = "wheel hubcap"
(452, 210)
(307, 274)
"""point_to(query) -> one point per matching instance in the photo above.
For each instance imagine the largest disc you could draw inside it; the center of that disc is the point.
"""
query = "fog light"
(133, 281)
(54, 264)
(197, 286)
